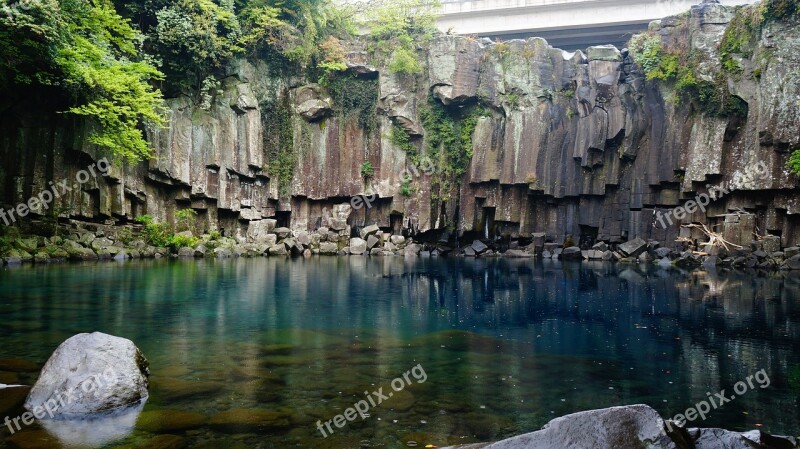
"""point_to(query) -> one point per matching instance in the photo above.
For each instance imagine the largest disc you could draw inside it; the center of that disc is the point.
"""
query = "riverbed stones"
(249, 420)
(168, 389)
(15, 365)
(169, 420)
(105, 373)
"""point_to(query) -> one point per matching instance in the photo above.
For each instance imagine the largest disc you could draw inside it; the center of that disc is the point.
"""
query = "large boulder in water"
(628, 427)
(90, 374)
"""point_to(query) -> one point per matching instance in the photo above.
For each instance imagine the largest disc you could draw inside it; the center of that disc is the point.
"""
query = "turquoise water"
(253, 352)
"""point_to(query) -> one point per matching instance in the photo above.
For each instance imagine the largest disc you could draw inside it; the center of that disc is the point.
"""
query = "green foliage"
(397, 27)
(185, 219)
(160, 234)
(352, 95)
(780, 9)
(215, 235)
(405, 186)
(739, 37)
(155, 234)
(125, 236)
(679, 68)
(794, 378)
(449, 134)
(647, 50)
(279, 142)
(303, 31)
(794, 162)
(402, 140)
(332, 55)
(6, 245)
(512, 99)
(367, 170)
(91, 53)
(195, 37)
(176, 242)
(405, 60)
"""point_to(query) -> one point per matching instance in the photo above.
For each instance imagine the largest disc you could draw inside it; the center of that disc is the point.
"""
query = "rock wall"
(575, 145)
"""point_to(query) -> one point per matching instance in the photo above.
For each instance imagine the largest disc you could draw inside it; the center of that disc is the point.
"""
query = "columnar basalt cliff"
(575, 145)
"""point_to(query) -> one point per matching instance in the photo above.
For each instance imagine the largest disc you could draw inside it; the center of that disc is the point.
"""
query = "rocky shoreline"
(82, 241)
(632, 427)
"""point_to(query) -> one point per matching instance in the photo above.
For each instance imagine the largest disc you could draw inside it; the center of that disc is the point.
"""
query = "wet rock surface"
(91, 374)
(631, 427)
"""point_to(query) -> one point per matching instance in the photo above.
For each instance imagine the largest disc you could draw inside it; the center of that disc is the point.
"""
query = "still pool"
(251, 353)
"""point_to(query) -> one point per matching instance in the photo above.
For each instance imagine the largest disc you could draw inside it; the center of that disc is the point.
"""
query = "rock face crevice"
(575, 145)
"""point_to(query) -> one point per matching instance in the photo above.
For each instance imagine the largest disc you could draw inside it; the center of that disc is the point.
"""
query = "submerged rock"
(90, 374)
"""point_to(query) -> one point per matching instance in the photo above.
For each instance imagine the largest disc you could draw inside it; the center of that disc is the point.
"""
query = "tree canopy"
(112, 60)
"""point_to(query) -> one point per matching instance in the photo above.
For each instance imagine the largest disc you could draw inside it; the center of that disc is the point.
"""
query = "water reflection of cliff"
(653, 334)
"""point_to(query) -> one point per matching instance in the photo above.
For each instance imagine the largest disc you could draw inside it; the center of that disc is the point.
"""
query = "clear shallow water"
(251, 353)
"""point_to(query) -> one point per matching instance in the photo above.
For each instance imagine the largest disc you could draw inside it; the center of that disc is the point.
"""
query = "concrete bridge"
(567, 24)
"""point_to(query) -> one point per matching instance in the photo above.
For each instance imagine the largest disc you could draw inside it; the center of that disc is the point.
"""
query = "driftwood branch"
(714, 238)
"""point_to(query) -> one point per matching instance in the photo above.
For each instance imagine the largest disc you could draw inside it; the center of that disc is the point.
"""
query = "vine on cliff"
(276, 118)
(354, 96)
(448, 137)
(679, 68)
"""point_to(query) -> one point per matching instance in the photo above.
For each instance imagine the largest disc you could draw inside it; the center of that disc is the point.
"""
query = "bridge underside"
(567, 24)
(579, 38)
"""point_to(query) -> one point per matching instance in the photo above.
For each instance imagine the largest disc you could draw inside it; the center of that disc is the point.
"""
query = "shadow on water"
(252, 353)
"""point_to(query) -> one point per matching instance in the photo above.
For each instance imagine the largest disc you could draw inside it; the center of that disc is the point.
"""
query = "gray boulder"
(515, 253)
(572, 253)
(278, 250)
(662, 252)
(358, 246)
(632, 248)
(793, 263)
(412, 250)
(725, 439)
(282, 233)
(90, 374)
(479, 247)
(328, 248)
(186, 252)
(372, 241)
(366, 231)
(628, 427)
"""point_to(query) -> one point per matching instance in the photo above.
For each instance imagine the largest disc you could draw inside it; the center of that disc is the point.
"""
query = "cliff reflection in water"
(507, 344)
